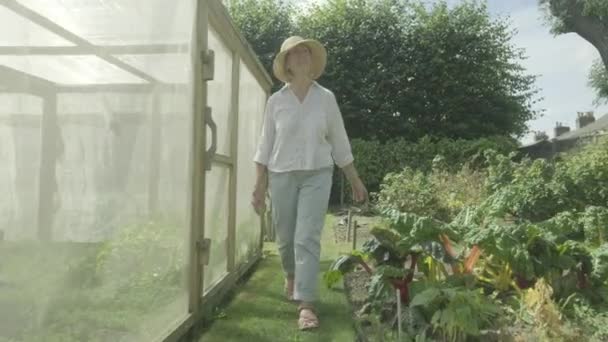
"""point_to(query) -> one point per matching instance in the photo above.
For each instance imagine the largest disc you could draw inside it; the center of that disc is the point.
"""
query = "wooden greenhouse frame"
(209, 13)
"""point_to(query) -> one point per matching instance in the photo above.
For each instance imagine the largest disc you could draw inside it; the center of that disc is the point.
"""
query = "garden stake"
(398, 314)
(348, 222)
(355, 235)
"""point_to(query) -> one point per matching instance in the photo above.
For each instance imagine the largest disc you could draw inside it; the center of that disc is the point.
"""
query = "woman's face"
(299, 60)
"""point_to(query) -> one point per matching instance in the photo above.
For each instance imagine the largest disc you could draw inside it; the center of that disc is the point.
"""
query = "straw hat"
(318, 57)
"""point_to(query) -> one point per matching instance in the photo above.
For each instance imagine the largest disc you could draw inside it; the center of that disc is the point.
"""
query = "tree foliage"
(587, 18)
(410, 70)
(598, 80)
(264, 24)
(406, 69)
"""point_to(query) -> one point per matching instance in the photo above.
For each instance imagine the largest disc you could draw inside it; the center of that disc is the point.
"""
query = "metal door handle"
(210, 153)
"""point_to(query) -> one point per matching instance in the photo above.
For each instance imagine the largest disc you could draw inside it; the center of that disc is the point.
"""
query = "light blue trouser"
(299, 205)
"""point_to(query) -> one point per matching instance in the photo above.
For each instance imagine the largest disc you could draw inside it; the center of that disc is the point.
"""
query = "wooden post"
(234, 144)
(349, 224)
(155, 135)
(49, 150)
(341, 190)
(355, 235)
(199, 139)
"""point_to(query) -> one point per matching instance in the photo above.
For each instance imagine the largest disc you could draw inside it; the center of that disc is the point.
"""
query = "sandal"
(308, 319)
(288, 288)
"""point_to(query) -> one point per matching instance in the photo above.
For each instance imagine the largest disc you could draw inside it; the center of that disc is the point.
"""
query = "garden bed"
(524, 259)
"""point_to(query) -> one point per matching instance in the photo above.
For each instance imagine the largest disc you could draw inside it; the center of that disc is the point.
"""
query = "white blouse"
(307, 135)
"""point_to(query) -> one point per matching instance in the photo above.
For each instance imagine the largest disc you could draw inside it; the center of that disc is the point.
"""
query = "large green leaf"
(426, 297)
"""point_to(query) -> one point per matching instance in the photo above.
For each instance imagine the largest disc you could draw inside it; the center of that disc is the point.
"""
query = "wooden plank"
(142, 49)
(53, 27)
(155, 147)
(22, 82)
(223, 25)
(122, 88)
(222, 159)
(234, 150)
(47, 181)
(213, 297)
(199, 102)
(177, 331)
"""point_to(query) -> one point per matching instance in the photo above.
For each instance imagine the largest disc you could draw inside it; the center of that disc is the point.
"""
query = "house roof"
(599, 126)
(535, 143)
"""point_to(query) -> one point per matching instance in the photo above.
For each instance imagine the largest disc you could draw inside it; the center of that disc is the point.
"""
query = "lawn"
(259, 311)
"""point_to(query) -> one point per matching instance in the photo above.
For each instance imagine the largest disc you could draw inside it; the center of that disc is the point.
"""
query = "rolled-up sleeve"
(266, 142)
(337, 136)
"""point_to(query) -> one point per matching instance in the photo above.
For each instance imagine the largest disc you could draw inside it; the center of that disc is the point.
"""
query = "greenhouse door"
(214, 181)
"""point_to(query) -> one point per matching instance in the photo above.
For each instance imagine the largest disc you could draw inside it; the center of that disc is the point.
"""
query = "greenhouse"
(127, 130)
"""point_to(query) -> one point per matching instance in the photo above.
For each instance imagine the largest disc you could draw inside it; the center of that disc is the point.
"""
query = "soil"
(363, 226)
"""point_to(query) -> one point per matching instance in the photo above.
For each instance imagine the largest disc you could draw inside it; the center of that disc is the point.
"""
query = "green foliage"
(431, 177)
(540, 226)
(96, 292)
(598, 80)
(585, 174)
(342, 265)
(456, 313)
(423, 58)
(264, 24)
(528, 190)
(600, 265)
(412, 191)
(439, 194)
(402, 69)
(144, 253)
(589, 319)
(566, 14)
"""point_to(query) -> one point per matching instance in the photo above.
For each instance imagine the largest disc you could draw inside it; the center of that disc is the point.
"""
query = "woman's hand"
(357, 186)
(258, 200)
(359, 191)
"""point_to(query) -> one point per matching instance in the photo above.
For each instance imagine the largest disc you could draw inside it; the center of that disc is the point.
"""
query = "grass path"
(258, 311)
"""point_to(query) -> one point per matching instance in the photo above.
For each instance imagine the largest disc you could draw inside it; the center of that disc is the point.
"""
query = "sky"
(561, 63)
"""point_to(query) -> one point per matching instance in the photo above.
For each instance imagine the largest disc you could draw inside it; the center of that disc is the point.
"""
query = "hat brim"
(318, 57)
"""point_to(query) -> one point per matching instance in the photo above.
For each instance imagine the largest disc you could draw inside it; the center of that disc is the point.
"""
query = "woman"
(302, 137)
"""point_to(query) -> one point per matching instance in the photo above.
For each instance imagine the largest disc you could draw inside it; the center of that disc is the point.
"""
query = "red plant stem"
(403, 285)
(472, 259)
(447, 245)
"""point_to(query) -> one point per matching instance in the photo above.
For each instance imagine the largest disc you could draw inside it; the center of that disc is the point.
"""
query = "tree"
(598, 80)
(402, 69)
(265, 24)
(587, 18)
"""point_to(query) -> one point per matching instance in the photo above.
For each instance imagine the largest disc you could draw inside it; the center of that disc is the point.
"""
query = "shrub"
(438, 194)
(374, 160)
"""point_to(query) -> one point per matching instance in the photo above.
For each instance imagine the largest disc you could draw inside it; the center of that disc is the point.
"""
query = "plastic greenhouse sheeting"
(96, 167)
(95, 182)
(252, 100)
